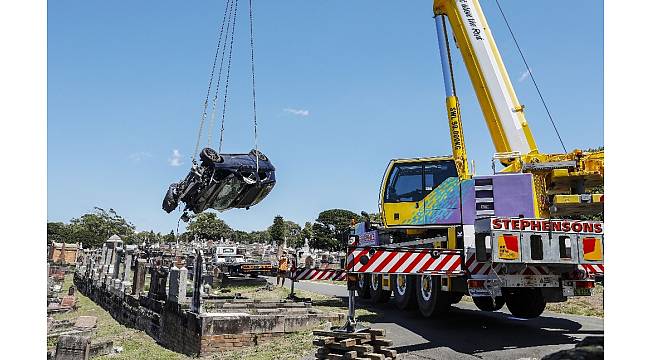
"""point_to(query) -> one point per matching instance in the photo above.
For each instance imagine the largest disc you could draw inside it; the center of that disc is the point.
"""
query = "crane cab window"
(412, 182)
(405, 184)
(436, 173)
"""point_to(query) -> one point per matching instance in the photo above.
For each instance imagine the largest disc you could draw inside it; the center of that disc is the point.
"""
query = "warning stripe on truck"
(596, 269)
(400, 261)
(320, 274)
(475, 267)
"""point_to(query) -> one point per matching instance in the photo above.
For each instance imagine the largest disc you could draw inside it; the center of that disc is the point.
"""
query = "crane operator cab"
(420, 192)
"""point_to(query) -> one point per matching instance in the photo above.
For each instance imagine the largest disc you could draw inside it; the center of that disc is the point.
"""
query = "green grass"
(582, 305)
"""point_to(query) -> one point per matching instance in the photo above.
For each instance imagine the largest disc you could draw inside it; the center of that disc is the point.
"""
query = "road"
(467, 333)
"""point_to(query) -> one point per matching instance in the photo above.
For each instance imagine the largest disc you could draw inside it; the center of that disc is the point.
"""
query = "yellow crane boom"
(561, 180)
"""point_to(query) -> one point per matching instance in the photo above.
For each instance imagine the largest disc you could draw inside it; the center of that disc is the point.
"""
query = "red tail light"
(584, 284)
(476, 283)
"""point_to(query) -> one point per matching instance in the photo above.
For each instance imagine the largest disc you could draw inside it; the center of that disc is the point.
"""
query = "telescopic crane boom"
(561, 180)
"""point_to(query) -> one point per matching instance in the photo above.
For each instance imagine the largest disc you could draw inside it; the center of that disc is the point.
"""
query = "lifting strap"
(229, 21)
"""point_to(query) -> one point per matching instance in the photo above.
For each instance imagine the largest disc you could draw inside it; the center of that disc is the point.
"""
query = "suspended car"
(222, 182)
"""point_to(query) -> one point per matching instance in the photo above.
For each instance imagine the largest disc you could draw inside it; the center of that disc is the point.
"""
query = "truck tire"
(363, 286)
(404, 291)
(431, 299)
(525, 303)
(455, 297)
(377, 294)
(486, 303)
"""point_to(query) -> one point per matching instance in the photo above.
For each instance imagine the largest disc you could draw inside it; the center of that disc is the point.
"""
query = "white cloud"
(524, 76)
(299, 112)
(139, 156)
(176, 159)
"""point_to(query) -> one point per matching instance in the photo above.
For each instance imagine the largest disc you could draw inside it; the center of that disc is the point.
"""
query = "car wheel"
(170, 202)
(431, 299)
(404, 291)
(487, 303)
(258, 154)
(210, 156)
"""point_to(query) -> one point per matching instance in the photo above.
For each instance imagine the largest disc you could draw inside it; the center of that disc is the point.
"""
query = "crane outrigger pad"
(223, 182)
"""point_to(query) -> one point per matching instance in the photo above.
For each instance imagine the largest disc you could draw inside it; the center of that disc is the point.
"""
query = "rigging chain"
(250, 16)
(207, 96)
(225, 94)
(223, 55)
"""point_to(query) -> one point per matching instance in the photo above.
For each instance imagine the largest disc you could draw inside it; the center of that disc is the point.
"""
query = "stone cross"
(177, 285)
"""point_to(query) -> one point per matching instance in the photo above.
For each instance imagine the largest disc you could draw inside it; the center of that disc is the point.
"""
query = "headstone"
(72, 347)
(127, 266)
(104, 254)
(71, 290)
(161, 285)
(117, 259)
(196, 293)
(177, 285)
(139, 276)
(68, 301)
(85, 322)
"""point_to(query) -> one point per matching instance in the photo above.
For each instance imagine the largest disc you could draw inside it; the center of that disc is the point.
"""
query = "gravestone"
(72, 347)
(196, 293)
(177, 285)
(139, 276)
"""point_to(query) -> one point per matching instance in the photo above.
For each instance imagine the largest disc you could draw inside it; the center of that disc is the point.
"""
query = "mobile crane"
(504, 238)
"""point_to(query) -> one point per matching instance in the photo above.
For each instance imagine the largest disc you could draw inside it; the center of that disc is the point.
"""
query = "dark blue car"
(222, 182)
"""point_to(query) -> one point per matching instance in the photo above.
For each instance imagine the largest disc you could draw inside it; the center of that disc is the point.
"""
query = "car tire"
(525, 303)
(170, 202)
(377, 294)
(210, 156)
(487, 303)
(257, 153)
(363, 286)
(404, 291)
(431, 299)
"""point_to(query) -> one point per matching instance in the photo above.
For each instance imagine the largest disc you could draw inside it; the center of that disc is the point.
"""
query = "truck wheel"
(363, 286)
(404, 291)
(455, 297)
(525, 303)
(486, 303)
(431, 298)
(377, 294)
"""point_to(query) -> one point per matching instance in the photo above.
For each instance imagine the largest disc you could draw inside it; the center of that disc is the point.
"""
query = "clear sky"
(342, 88)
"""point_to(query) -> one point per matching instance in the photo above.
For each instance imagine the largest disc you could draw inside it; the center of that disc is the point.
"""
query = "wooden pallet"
(366, 345)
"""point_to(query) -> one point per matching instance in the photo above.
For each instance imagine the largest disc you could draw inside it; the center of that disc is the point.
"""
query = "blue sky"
(342, 87)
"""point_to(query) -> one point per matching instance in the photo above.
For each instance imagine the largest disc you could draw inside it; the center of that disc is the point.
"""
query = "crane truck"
(516, 237)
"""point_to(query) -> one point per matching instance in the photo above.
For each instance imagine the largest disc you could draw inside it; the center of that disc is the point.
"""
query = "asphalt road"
(467, 333)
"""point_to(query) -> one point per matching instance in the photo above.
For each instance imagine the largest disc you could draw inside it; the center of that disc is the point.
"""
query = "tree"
(93, 229)
(277, 231)
(332, 227)
(293, 233)
(324, 237)
(58, 232)
(307, 231)
(208, 226)
(169, 238)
